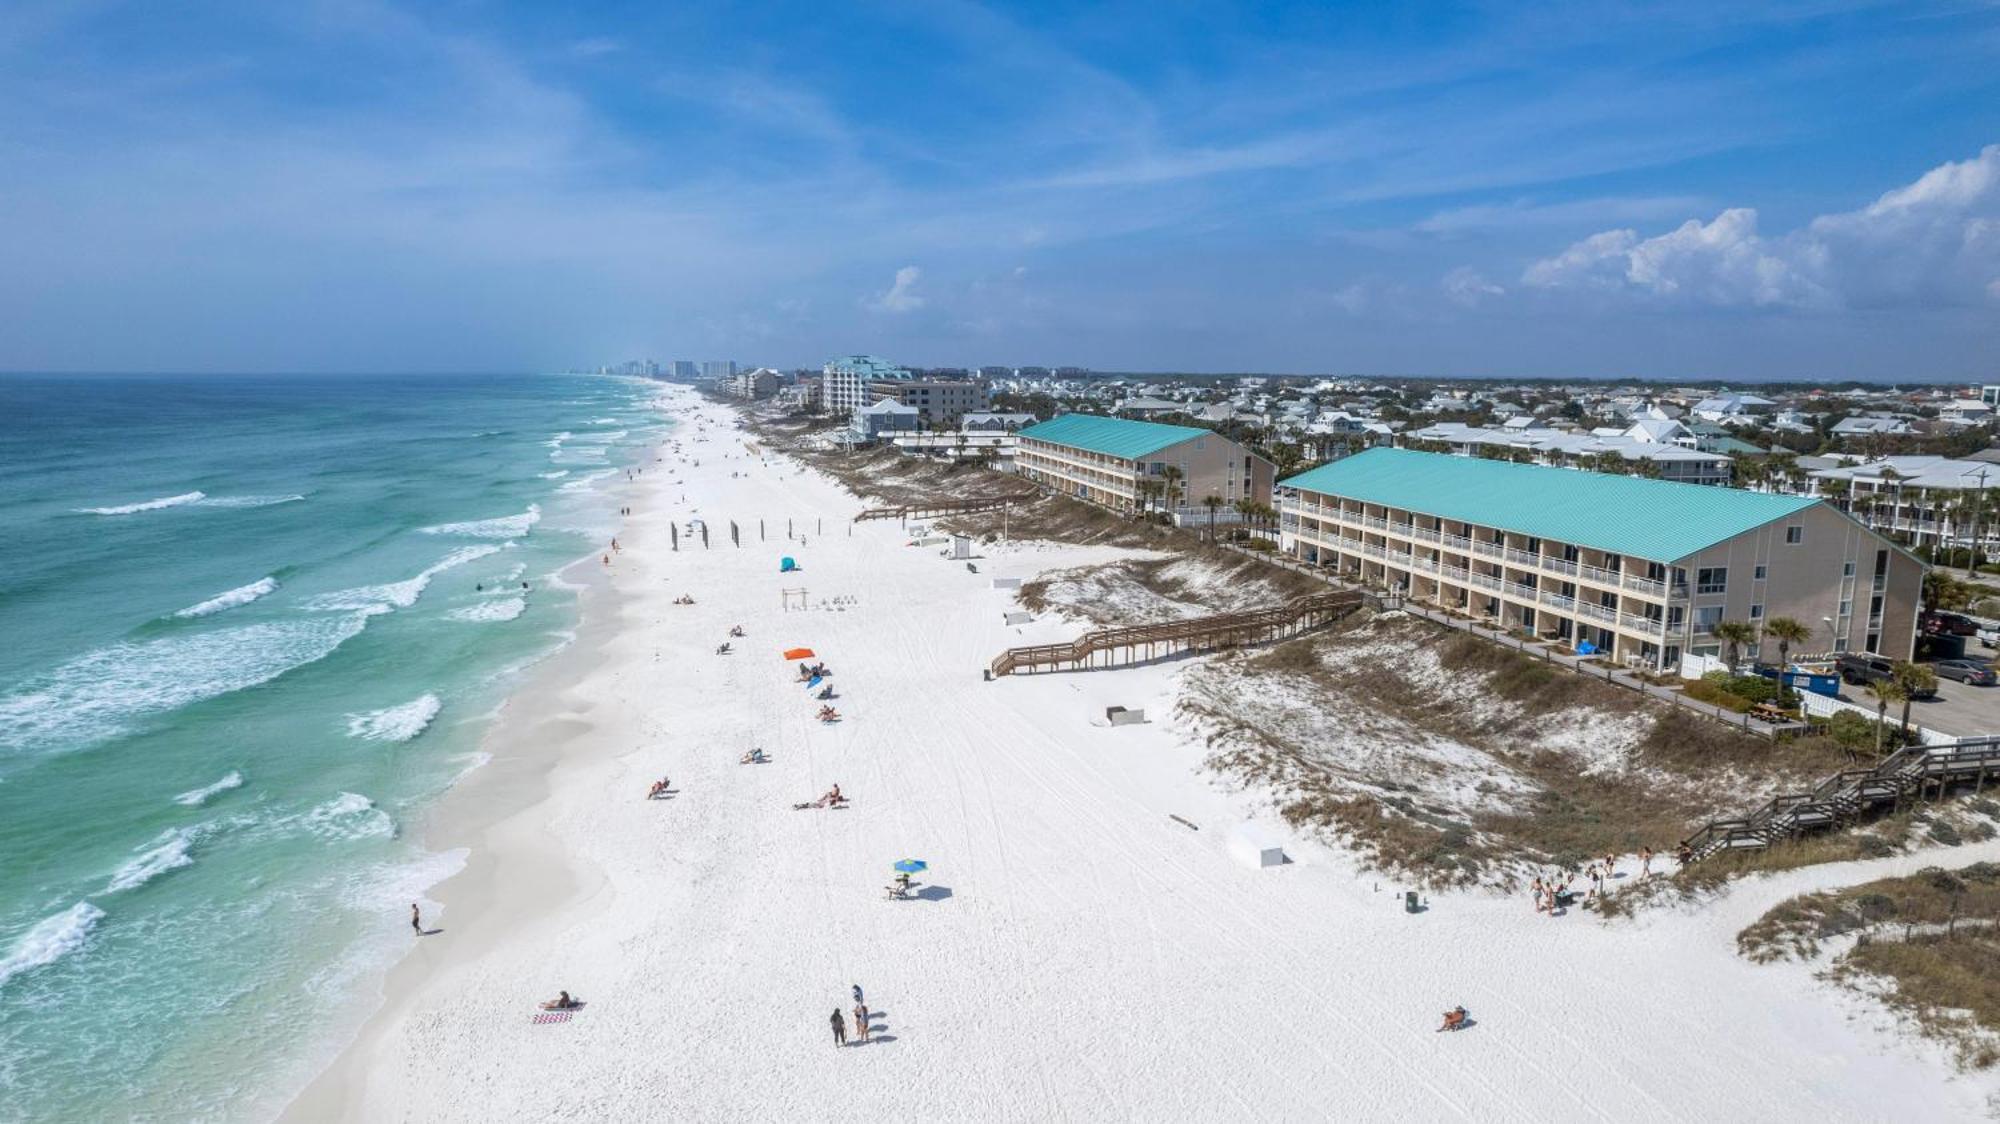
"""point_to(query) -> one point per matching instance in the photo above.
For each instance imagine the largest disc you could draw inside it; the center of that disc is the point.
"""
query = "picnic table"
(1765, 712)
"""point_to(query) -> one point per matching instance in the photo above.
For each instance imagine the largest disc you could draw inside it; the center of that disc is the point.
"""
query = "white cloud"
(901, 296)
(1465, 285)
(1932, 242)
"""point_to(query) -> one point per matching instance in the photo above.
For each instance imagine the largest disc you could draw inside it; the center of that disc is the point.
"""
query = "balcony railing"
(1456, 542)
(1490, 549)
(1524, 558)
(1597, 612)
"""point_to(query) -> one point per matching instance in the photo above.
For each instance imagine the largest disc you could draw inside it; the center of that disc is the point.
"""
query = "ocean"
(250, 627)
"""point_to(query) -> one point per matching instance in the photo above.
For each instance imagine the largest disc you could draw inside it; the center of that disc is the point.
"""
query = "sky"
(1682, 190)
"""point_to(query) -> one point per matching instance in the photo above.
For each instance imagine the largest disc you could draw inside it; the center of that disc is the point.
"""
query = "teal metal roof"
(1655, 519)
(1111, 436)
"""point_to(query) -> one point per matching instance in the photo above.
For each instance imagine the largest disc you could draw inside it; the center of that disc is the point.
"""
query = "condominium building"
(754, 385)
(1642, 570)
(1107, 460)
(845, 388)
(937, 401)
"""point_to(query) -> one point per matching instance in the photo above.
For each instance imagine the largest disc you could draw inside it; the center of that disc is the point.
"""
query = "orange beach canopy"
(798, 653)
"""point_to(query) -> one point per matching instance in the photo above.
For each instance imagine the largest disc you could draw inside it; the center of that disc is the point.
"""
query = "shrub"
(1755, 688)
(1711, 691)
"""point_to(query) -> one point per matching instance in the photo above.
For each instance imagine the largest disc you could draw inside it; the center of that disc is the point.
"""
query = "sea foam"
(50, 940)
(241, 595)
(148, 505)
(348, 816)
(396, 723)
(196, 797)
(169, 851)
(97, 694)
(504, 527)
(499, 609)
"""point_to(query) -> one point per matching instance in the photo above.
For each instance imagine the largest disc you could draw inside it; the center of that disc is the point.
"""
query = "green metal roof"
(1114, 437)
(1656, 519)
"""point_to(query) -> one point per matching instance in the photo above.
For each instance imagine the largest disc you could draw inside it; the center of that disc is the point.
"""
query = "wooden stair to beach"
(1916, 772)
(1110, 647)
(937, 509)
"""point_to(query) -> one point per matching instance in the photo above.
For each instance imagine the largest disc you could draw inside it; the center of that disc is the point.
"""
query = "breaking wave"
(148, 505)
(50, 940)
(97, 694)
(396, 723)
(167, 852)
(390, 596)
(195, 797)
(241, 595)
(504, 527)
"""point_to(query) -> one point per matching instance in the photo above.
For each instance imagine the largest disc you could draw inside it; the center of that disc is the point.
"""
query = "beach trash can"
(1410, 902)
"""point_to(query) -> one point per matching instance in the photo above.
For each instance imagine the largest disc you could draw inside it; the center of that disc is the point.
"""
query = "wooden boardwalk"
(1916, 773)
(934, 509)
(1110, 647)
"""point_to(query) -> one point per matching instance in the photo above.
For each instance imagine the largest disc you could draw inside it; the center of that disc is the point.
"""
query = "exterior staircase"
(1912, 773)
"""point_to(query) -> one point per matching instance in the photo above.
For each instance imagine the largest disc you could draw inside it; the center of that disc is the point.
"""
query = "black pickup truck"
(1861, 670)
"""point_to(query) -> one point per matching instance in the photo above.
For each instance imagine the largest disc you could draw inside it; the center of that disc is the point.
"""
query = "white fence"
(1822, 706)
(1694, 667)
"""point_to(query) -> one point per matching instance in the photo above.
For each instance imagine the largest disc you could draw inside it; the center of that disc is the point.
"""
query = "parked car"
(1947, 624)
(1861, 670)
(1966, 671)
(1989, 636)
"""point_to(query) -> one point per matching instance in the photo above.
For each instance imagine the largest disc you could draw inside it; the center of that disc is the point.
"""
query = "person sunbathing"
(736, 631)
(832, 796)
(561, 1002)
(1454, 1019)
(754, 757)
(659, 788)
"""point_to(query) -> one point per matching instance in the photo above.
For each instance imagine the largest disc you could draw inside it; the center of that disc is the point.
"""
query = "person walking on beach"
(839, 1029)
(861, 1022)
(416, 920)
(1645, 862)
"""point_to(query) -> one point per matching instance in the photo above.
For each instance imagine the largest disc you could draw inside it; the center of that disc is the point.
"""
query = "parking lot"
(1959, 708)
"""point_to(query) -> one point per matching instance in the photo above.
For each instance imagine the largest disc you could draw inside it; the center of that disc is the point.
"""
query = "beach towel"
(541, 1017)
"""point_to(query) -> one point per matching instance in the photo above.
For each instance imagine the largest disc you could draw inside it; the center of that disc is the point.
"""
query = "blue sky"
(1686, 190)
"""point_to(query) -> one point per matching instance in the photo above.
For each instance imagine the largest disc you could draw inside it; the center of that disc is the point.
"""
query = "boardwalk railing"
(939, 508)
(1109, 647)
(1851, 793)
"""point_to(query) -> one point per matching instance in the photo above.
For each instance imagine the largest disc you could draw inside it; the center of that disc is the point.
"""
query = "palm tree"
(1735, 634)
(1915, 679)
(1787, 632)
(1886, 691)
(1211, 502)
(1172, 477)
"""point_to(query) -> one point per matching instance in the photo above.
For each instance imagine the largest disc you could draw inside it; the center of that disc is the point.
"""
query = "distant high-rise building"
(718, 369)
(685, 369)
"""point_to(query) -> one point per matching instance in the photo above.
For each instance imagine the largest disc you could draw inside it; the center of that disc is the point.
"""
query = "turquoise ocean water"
(249, 628)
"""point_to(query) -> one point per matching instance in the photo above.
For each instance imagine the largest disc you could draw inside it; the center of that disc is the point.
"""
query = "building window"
(1707, 617)
(1846, 608)
(1847, 569)
(1759, 575)
(1794, 535)
(1756, 612)
(1711, 579)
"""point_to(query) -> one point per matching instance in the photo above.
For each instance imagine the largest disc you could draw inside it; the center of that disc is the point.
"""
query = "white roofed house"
(1872, 426)
(1604, 449)
(1728, 409)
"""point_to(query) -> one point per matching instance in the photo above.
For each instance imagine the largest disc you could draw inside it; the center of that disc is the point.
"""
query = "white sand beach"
(1073, 952)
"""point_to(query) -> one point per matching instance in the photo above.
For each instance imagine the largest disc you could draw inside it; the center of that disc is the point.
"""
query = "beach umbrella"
(798, 653)
(911, 866)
